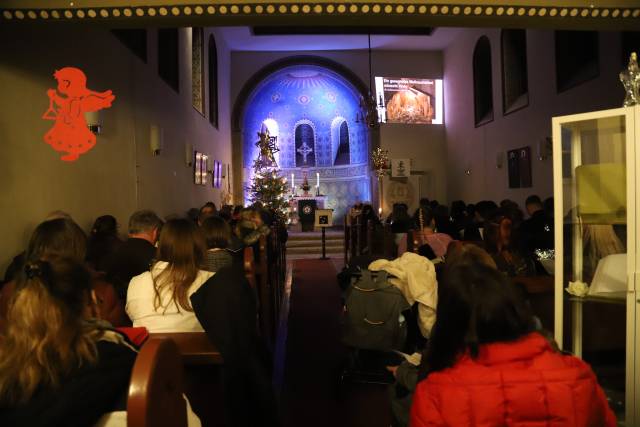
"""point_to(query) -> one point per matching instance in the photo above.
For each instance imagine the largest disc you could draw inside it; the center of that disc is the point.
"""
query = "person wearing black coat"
(226, 307)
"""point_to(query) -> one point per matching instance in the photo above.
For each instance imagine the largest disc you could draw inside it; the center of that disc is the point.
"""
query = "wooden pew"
(347, 238)
(249, 267)
(266, 309)
(195, 347)
(276, 256)
(265, 272)
(359, 235)
(155, 391)
(200, 363)
(389, 247)
(369, 243)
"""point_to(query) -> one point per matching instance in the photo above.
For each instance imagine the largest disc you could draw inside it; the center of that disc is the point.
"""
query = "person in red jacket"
(486, 367)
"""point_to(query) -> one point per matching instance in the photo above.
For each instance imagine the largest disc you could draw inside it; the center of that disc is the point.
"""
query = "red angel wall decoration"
(70, 133)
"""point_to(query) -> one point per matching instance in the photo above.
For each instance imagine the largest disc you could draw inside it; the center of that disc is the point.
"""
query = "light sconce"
(188, 154)
(155, 139)
(499, 159)
(209, 165)
(94, 122)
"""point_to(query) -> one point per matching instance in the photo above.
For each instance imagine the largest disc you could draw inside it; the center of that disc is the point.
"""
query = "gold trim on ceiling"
(447, 13)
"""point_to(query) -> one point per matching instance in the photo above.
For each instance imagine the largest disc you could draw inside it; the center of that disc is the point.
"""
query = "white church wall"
(120, 174)
(476, 149)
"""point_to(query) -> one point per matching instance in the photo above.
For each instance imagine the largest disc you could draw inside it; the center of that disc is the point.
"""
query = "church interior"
(363, 142)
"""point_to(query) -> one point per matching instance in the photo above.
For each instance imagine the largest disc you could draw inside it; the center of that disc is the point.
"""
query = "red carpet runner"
(312, 395)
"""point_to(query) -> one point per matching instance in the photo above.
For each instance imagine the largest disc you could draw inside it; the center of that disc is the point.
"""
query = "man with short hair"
(136, 254)
(537, 231)
(207, 210)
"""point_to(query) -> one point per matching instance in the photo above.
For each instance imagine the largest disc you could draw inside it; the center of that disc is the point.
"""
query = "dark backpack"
(373, 313)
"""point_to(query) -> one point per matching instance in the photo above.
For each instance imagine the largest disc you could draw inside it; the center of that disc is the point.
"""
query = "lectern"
(307, 213)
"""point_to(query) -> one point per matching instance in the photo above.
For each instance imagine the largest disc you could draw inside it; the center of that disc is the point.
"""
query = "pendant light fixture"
(368, 106)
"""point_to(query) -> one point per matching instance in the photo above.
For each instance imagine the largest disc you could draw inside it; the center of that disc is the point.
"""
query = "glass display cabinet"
(597, 309)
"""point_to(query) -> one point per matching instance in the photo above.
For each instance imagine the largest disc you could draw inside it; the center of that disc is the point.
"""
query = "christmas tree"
(267, 186)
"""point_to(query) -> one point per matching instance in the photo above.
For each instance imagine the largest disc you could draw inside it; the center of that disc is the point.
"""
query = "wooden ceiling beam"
(557, 14)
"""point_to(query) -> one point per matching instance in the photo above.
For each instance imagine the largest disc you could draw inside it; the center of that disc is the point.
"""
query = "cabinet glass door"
(594, 180)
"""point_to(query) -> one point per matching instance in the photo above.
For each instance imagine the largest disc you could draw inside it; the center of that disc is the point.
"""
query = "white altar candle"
(293, 183)
(317, 179)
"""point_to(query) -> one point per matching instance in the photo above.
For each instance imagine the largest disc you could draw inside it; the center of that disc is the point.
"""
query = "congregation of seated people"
(72, 307)
(75, 309)
(514, 242)
(484, 353)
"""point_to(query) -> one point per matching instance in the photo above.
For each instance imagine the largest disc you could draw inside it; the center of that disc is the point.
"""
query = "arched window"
(197, 69)
(213, 82)
(340, 143)
(168, 57)
(344, 156)
(515, 89)
(482, 86)
(305, 144)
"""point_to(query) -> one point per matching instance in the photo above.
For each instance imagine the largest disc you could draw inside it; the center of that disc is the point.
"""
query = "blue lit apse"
(312, 110)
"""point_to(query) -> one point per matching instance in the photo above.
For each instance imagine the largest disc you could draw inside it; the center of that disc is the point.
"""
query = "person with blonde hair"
(159, 299)
(600, 240)
(58, 365)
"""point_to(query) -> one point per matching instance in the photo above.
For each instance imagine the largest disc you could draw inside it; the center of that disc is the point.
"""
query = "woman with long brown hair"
(59, 237)
(159, 299)
(58, 366)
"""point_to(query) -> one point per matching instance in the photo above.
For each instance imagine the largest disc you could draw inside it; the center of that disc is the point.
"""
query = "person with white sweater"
(159, 299)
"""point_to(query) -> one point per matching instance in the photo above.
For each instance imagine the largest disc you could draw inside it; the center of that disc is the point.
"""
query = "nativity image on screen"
(409, 100)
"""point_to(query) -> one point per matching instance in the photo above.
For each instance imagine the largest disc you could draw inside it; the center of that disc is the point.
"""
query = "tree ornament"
(267, 186)
(380, 160)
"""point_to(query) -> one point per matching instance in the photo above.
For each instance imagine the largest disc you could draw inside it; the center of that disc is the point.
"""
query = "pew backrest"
(195, 348)
(248, 264)
(155, 391)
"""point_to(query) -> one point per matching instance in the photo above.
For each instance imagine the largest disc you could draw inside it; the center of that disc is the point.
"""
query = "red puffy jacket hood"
(520, 383)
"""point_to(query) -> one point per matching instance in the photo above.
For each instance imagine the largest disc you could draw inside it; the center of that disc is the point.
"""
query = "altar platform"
(309, 244)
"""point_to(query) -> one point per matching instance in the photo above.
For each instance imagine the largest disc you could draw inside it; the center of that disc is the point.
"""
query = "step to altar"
(309, 244)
